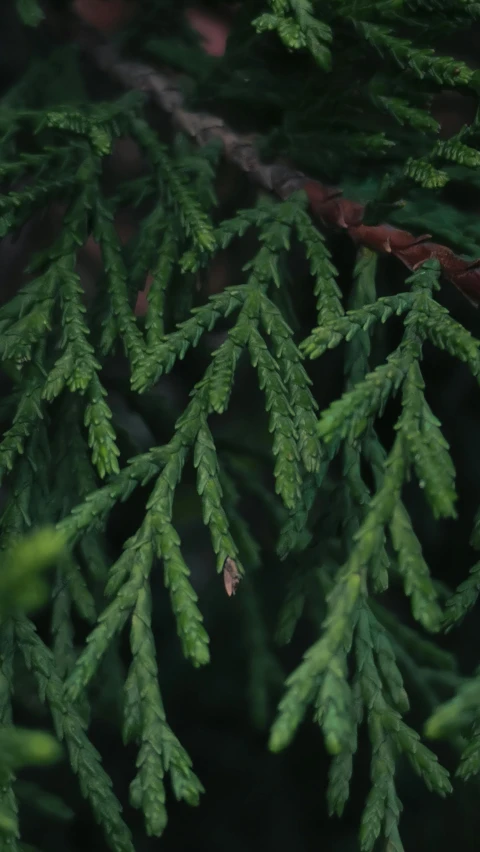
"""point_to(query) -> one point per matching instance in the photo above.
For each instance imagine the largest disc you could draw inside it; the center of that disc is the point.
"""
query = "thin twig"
(328, 206)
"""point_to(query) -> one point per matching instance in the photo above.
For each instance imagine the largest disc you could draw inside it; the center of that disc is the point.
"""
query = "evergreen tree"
(236, 331)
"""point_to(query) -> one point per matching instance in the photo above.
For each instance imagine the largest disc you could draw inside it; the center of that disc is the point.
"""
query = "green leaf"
(22, 585)
(19, 747)
(30, 12)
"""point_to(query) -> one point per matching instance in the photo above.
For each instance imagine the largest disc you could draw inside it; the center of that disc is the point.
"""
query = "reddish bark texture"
(106, 16)
(212, 28)
(328, 206)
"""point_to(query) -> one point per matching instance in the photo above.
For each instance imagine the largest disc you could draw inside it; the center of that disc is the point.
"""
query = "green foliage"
(30, 12)
(326, 475)
(21, 579)
(22, 588)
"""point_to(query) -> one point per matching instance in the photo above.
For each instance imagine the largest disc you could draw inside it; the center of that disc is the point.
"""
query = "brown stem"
(327, 205)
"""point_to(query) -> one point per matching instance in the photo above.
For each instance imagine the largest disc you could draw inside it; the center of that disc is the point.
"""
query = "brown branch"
(327, 204)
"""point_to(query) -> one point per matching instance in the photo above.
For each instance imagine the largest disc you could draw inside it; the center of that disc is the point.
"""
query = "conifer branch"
(327, 205)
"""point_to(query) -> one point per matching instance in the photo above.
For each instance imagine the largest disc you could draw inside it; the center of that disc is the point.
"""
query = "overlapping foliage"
(338, 486)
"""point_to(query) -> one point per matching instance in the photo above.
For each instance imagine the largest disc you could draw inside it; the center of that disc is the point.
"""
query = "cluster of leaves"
(349, 537)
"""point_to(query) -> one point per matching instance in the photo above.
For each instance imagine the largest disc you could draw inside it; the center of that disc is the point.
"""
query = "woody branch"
(328, 207)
